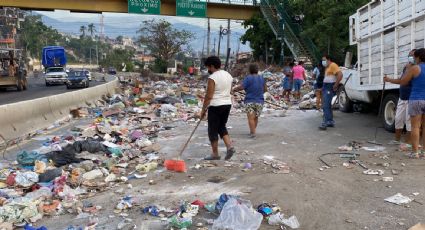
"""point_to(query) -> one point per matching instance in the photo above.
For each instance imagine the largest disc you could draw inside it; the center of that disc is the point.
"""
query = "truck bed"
(385, 32)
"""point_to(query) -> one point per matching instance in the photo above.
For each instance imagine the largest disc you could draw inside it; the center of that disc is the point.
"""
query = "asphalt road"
(37, 88)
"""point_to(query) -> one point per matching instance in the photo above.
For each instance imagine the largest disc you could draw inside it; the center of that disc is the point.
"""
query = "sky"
(124, 22)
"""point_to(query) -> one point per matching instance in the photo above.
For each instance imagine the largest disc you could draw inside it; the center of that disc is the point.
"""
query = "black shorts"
(217, 119)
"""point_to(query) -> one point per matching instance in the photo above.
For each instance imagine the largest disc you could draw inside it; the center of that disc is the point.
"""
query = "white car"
(55, 76)
(88, 73)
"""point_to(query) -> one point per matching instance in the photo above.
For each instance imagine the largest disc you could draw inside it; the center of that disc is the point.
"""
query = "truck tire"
(344, 103)
(19, 86)
(389, 107)
(25, 84)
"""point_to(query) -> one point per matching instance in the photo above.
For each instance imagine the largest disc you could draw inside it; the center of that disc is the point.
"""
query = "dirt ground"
(336, 198)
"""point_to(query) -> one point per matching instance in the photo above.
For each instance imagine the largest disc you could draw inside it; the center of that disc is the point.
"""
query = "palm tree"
(91, 29)
(83, 30)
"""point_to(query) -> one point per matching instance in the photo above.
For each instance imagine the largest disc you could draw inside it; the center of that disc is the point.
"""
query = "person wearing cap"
(218, 103)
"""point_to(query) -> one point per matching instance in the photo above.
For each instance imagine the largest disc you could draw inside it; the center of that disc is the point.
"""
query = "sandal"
(230, 153)
(212, 158)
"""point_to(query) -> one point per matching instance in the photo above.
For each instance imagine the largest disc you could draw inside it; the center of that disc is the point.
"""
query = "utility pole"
(237, 51)
(228, 44)
(97, 54)
(219, 40)
(90, 56)
(214, 46)
(208, 38)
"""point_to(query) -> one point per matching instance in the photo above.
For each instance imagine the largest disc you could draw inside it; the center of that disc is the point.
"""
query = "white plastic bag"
(238, 214)
(278, 219)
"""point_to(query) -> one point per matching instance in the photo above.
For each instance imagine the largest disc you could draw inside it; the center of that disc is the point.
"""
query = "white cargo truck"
(384, 32)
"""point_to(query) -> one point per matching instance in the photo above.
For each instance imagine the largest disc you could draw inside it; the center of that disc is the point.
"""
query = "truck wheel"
(25, 84)
(389, 107)
(344, 103)
(20, 86)
(47, 84)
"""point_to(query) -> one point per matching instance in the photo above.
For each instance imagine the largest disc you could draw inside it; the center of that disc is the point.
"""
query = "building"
(10, 19)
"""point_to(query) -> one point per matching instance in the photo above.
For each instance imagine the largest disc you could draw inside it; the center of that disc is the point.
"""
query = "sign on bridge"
(144, 6)
(191, 8)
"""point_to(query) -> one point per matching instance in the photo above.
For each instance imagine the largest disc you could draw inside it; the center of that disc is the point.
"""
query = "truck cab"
(383, 32)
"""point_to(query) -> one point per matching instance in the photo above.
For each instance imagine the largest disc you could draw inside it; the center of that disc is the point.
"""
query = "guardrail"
(21, 118)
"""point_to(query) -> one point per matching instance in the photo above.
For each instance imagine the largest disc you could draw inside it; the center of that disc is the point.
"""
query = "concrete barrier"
(19, 119)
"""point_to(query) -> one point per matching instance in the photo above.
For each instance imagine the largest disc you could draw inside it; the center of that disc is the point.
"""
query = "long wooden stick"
(190, 137)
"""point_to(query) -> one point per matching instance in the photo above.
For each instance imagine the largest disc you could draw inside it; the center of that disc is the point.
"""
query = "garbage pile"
(118, 145)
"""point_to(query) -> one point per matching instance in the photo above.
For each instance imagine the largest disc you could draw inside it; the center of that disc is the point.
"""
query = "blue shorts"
(287, 84)
(297, 85)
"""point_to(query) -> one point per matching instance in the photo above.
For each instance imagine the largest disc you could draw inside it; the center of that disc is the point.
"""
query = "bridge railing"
(237, 2)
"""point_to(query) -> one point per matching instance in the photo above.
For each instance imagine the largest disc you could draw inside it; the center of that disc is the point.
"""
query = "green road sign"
(144, 6)
(191, 8)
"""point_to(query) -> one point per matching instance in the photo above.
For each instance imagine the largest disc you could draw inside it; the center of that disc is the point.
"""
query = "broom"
(179, 165)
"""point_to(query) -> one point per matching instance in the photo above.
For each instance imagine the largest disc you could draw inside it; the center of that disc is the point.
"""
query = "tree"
(326, 23)
(83, 31)
(260, 36)
(162, 39)
(34, 35)
(91, 29)
(116, 57)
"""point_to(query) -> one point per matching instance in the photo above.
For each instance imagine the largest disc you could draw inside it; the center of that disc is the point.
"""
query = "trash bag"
(68, 153)
(63, 158)
(50, 175)
(89, 146)
(238, 214)
(27, 159)
(166, 100)
(222, 201)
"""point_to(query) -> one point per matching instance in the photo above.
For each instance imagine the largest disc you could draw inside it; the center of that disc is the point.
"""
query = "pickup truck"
(55, 75)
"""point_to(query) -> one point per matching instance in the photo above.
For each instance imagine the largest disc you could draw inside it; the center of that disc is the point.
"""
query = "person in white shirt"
(218, 103)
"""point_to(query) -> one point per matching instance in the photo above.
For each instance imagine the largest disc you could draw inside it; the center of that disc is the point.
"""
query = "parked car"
(112, 70)
(55, 75)
(88, 73)
(77, 79)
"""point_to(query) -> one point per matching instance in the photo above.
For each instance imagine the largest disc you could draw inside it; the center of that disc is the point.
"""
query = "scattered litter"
(374, 149)
(387, 179)
(374, 172)
(398, 199)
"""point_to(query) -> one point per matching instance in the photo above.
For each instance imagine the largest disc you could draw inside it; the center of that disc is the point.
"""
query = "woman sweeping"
(255, 87)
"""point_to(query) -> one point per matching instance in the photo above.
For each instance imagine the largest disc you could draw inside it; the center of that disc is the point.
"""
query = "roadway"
(37, 88)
